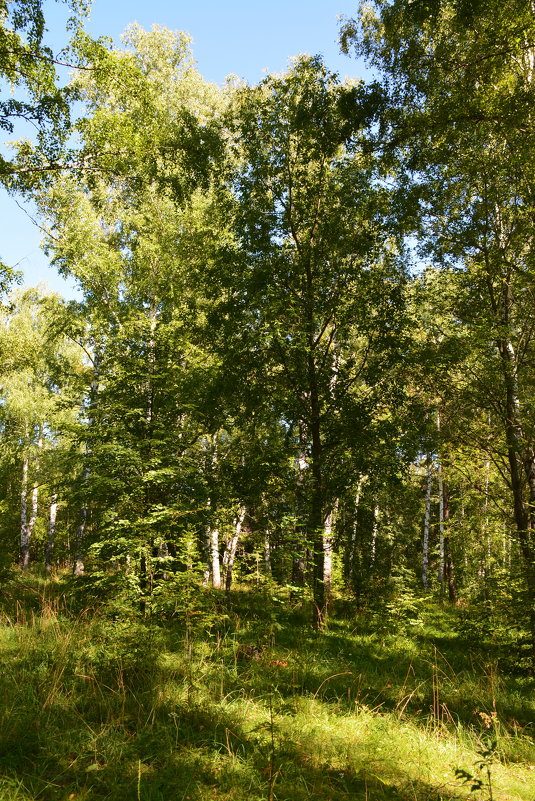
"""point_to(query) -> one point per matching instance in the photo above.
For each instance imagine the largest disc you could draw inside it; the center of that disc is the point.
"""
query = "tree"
(460, 83)
(41, 383)
(318, 288)
(136, 227)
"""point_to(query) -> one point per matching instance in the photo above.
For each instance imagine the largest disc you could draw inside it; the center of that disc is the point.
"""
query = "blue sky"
(247, 39)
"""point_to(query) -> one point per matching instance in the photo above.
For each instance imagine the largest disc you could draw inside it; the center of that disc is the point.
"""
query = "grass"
(246, 701)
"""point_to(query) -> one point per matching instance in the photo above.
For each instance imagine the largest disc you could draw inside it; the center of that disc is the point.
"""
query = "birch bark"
(328, 554)
(440, 525)
(267, 553)
(50, 545)
(375, 527)
(24, 543)
(213, 535)
(298, 558)
(231, 546)
(27, 526)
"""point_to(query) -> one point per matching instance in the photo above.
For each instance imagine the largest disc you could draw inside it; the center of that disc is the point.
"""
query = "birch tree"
(136, 226)
(460, 84)
(315, 259)
(41, 381)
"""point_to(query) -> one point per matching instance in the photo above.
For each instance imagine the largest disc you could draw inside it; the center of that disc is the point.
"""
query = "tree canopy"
(305, 337)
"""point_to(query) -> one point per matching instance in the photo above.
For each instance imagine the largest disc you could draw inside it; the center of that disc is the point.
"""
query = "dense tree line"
(304, 352)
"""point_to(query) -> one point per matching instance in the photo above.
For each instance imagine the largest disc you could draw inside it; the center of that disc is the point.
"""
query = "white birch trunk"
(78, 562)
(231, 546)
(49, 556)
(267, 553)
(33, 515)
(35, 490)
(212, 530)
(328, 552)
(152, 361)
(207, 557)
(299, 557)
(214, 551)
(29, 525)
(374, 534)
(24, 543)
(440, 514)
(78, 567)
(163, 559)
(353, 544)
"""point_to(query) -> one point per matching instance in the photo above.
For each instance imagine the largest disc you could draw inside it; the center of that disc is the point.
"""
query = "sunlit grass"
(252, 705)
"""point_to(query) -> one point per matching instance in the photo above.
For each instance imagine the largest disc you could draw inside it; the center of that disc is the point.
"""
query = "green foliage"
(397, 604)
(481, 784)
(497, 617)
(113, 593)
(13, 790)
(456, 122)
(28, 66)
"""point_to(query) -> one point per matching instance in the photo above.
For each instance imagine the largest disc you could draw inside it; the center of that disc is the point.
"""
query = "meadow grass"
(241, 699)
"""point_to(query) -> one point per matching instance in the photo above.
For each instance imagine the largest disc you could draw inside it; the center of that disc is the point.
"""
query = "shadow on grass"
(426, 671)
(122, 709)
(198, 754)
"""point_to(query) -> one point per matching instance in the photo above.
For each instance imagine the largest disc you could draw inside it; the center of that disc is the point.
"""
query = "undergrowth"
(239, 698)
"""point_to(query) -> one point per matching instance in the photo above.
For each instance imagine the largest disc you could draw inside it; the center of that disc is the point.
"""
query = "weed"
(481, 784)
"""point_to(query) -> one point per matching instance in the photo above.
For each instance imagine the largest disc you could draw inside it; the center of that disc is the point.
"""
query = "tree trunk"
(375, 526)
(206, 548)
(521, 463)
(440, 527)
(353, 543)
(485, 527)
(143, 581)
(162, 559)
(449, 566)
(353, 560)
(78, 567)
(24, 542)
(230, 550)
(33, 515)
(267, 552)
(35, 490)
(28, 525)
(214, 552)
(49, 553)
(427, 517)
(212, 530)
(328, 554)
(440, 513)
(299, 536)
(316, 500)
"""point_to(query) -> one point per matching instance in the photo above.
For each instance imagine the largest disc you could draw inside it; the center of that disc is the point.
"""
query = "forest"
(267, 488)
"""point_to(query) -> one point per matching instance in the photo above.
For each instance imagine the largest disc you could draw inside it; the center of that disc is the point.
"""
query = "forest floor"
(241, 699)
